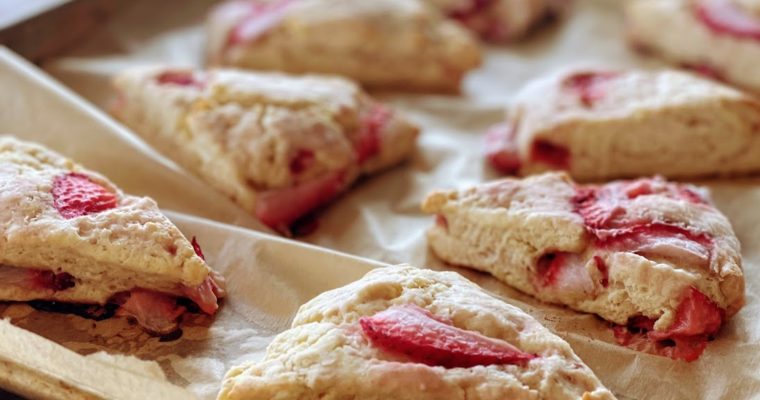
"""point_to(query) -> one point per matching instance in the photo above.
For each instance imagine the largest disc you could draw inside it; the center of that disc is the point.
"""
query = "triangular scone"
(598, 124)
(719, 38)
(496, 20)
(400, 44)
(70, 235)
(405, 333)
(280, 146)
(653, 256)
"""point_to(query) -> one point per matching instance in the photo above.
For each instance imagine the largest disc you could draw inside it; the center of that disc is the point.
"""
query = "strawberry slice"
(564, 272)
(475, 16)
(588, 86)
(205, 295)
(75, 195)
(179, 78)
(726, 17)
(302, 161)
(279, 208)
(549, 153)
(696, 315)
(501, 149)
(154, 311)
(261, 17)
(36, 279)
(413, 331)
(697, 319)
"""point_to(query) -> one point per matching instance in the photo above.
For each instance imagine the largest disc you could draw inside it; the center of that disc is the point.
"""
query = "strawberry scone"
(68, 235)
(598, 124)
(497, 20)
(278, 145)
(404, 333)
(653, 257)
(399, 44)
(719, 38)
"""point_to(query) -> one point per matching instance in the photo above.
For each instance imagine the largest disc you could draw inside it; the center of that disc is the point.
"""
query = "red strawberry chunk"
(302, 161)
(475, 16)
(279, 208)
(369, 140)
(259, 20)
(695, 315)
(603, 209)
(154, 311)
(697, 319)
(179, 78)
(36, 279)
(553, 154)
(75, 195)
(204, 295)
(728, 18)
(413, 331)
(548, 267)
(601, 266)
(588, 86)
(197, 249)
(501, 149)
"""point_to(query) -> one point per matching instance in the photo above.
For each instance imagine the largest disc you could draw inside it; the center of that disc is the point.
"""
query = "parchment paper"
(380, 218)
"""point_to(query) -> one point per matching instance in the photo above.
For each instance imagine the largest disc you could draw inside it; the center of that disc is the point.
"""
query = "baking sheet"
(380, 218)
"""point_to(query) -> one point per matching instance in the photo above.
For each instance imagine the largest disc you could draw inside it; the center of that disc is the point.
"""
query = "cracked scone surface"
(693, 39)
(131, 244)
(624, 250)
(325, 355)
(402, 44)
(598, 124)
(264, 139)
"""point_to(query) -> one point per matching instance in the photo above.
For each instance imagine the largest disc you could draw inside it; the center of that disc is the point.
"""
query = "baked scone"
(280, 146)
(720, 38)
(598, 124)
(654, 257)
(69, 235)
(399, 44)
(497, 20)
(404, 333)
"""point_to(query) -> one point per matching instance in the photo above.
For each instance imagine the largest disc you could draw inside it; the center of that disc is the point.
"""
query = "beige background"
(379, 219)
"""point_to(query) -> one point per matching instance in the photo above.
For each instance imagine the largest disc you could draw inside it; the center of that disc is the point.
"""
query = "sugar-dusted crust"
(325, 355)
(243, 132)
(505, 227)
(131, 245)
(599, 124)
(401, 44)
(498, 20)
(688, 41)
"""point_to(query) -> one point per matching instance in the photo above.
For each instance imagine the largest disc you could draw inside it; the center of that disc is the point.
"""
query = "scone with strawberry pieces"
(599, 124)
(280, 146)
(653, 257)
(497, 20)
(404, 333)
(718, 38)
(68, 235)
(398, 44)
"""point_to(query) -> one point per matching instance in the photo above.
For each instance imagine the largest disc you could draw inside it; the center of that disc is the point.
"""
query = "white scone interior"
(598, 124)
(629, 251)
(387, 43)
(54, 248)
(279, 145)
(327, 354)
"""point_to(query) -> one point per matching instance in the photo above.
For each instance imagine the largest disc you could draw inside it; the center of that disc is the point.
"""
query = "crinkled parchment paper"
(380, 217)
